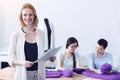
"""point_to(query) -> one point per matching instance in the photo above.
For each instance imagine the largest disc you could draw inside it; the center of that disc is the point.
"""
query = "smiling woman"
(26, 45)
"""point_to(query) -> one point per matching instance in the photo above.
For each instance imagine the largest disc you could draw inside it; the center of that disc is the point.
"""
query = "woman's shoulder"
(15, 33)
(41, 31)
(76, 53)
(60, 55)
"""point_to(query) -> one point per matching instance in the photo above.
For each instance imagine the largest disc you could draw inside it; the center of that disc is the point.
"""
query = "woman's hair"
(70, 41)
(28, 5)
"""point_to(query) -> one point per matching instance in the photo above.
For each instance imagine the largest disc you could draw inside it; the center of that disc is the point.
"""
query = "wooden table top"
(8, 74)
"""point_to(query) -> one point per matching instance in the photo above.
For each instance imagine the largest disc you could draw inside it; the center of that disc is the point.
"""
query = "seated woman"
(69, 58)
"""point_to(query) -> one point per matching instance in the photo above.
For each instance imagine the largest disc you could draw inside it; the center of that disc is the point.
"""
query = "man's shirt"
(95, 62)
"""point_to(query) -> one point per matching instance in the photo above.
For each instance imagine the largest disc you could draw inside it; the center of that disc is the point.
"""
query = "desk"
(8, 74)
(75, 77)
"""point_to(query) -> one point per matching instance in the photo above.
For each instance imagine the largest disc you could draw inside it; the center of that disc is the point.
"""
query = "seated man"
(100, 57)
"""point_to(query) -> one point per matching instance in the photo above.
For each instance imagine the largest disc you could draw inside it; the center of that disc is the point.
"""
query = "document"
(46, 55)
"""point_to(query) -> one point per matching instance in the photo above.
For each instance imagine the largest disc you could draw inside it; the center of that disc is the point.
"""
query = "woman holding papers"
(26, 45)
(69, 58)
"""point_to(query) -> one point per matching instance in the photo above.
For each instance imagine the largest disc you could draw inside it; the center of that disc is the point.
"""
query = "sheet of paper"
(46, 55)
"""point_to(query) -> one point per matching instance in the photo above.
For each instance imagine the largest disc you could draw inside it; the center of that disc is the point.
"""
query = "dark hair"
(103, 43)
(70, 41)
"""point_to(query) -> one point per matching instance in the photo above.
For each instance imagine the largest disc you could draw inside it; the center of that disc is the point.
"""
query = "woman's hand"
(22, 63)
(27, 63)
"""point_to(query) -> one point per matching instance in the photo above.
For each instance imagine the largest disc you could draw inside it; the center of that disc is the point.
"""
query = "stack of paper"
(48, 54)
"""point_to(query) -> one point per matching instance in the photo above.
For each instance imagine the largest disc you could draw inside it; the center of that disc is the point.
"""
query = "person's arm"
(22, 63)
(77, 57)
(77, 64)
(91, 62)
(12, 59)
(60, 61)
(96, 70)
(110, 60)
(12, 49)
(60, 65)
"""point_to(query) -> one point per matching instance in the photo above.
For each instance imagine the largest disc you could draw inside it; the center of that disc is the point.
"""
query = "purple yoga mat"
(53, 74)
(68, 73)
(106, 68)
(112, 76)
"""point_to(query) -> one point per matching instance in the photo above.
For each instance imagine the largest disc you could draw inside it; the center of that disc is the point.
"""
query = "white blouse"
(16, 51)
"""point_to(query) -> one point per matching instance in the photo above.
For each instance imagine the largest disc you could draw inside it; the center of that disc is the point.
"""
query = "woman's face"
(27, 16)
(72, 47)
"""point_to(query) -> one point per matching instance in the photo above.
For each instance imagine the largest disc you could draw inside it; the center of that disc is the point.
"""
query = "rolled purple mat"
(107, 73)
(53, 74)
(60, 72)
(68, 73)
(112, 76)
(106, 68)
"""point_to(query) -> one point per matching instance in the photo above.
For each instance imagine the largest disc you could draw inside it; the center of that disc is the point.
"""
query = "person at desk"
(98, 58)
(26, 45)
(69, 58)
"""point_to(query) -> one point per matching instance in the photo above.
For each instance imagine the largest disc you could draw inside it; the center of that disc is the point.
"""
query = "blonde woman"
(26, 45)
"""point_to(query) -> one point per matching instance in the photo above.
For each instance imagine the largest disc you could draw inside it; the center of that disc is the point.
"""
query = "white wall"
(87, 20)
(1, 24)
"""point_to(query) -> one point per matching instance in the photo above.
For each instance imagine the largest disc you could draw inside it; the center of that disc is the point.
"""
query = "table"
(8, 74)
(75, 77)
